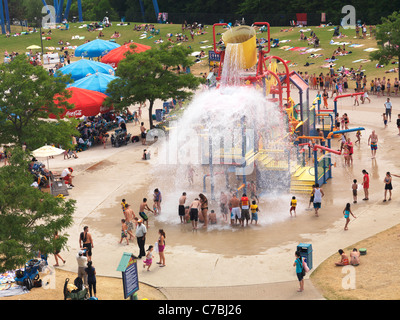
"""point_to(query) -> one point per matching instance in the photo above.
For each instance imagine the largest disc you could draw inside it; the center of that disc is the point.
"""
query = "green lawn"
(127, 33)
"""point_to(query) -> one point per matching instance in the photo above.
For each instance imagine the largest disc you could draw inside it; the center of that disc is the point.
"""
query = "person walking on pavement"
(141, 231)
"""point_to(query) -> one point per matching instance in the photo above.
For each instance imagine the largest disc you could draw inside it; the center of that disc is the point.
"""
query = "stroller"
(120, 138)
(30, 274)
(75, 291)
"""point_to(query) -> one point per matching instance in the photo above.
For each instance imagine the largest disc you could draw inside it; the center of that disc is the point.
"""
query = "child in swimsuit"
(254, 212)
(346, 213)
(149, 258)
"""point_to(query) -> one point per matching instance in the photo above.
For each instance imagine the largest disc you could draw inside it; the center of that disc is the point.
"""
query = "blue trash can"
(159, 114)
(306, 250)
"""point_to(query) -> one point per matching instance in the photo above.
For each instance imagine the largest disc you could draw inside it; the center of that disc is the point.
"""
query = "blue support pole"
(156, 9)
(142, 9)
(80, 11)
(55, 3)
(66, 13)
(59, 12)
(7, 21)
(2, 22)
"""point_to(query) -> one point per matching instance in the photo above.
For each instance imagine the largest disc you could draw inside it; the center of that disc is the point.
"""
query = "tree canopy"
(152, 75)
(29, 217)
(388, 39)
(27, 98)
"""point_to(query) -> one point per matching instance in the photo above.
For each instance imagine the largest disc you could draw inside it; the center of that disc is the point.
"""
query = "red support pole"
(348, 95)
(317, 146)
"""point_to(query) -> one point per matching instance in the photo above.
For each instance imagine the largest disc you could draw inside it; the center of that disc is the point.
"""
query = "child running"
(254, 212)
(293, 204)
(346, 213)
(149, 258)
(358, 135)
(356, 99)
(124, 232)
(384, 119)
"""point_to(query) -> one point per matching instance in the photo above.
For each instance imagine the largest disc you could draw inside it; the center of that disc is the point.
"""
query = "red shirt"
(245, 202)
(366, 181)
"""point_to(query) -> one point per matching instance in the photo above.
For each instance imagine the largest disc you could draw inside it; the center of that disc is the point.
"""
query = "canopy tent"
(87, 103)
(95, 48)
(116, 55)
(84, 67)
(96, 82)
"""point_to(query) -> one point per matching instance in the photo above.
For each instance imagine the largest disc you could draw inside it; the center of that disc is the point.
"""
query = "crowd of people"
(133, 226)
(232, 209)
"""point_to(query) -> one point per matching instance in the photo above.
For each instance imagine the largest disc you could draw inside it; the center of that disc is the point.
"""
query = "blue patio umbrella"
(95, 48)
(84, 67)
(96, 82)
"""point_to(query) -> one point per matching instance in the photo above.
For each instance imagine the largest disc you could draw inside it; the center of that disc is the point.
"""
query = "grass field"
(205, 42)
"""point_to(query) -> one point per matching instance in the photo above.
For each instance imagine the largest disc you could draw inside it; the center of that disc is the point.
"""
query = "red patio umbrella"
(87, 103)
(116, 55)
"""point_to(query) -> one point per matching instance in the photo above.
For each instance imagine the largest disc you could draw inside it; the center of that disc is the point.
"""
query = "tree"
(93, 10)
(388, 39)
(150, 75)
(27, 98)
(28, 217)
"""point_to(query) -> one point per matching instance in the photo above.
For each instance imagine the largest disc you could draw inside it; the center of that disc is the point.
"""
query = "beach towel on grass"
(327, 65)
(371, 49)
(298, 49)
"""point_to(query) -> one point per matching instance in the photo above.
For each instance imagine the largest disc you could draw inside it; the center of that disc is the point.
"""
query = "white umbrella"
(46, 152)
(34, 46)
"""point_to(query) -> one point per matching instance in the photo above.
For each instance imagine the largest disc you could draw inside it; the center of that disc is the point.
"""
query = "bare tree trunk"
(151, 113)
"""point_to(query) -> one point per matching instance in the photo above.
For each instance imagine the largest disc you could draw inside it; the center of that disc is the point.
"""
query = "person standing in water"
(129, 216)
(223, 202)
(234, 203)
(318, 194)
(181, 207)
(204, 209)
(143, 206)
(373, 142)
(194, 212)
(157, 201)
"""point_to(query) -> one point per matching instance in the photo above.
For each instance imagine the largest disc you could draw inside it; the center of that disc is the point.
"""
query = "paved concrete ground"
(104, 176)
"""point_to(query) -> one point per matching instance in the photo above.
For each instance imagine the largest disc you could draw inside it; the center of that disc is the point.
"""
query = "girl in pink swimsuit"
(161, 247)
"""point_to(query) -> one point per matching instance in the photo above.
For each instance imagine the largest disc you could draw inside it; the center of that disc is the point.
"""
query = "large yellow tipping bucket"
(244, 38)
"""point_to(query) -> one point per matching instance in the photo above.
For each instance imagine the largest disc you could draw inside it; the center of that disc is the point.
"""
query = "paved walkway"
(264, 291)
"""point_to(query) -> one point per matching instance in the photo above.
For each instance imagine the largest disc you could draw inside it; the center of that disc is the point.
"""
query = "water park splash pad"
(220, 135)
(213, 136)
